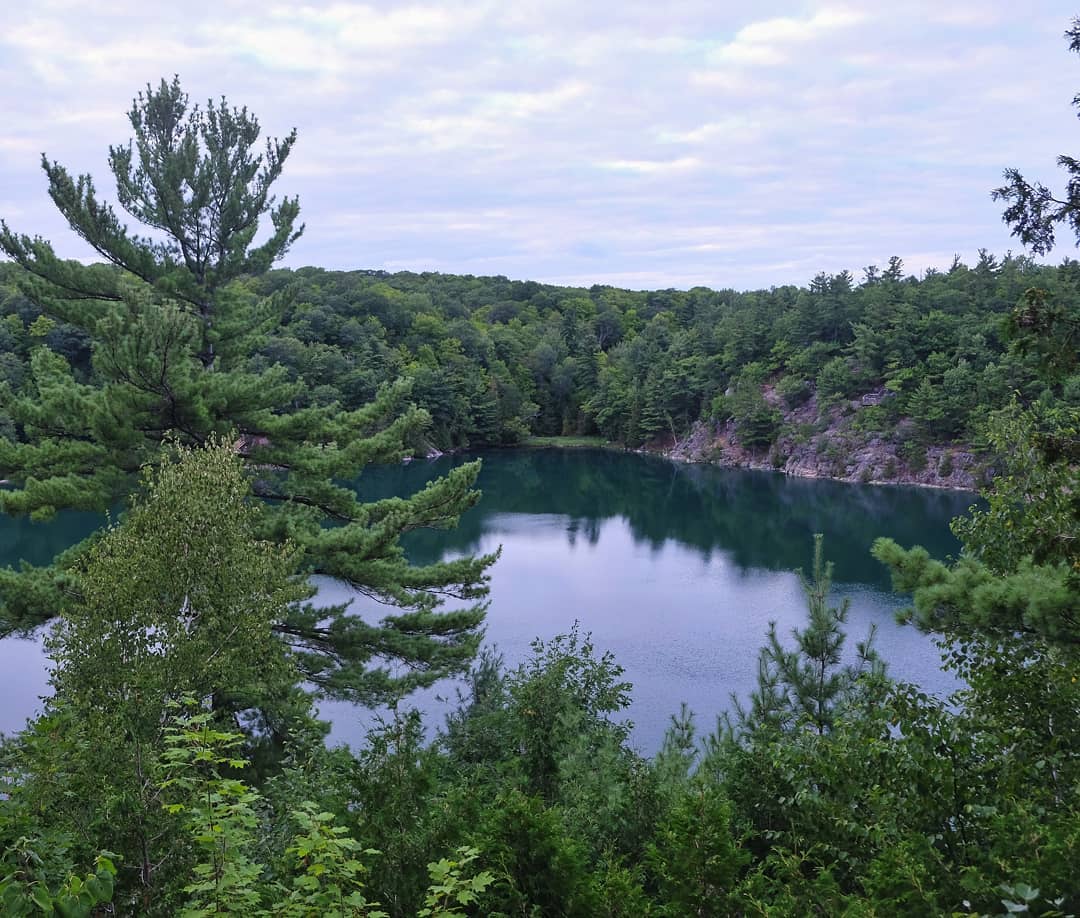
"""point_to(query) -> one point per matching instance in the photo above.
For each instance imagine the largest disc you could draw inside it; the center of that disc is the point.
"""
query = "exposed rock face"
(834, 448)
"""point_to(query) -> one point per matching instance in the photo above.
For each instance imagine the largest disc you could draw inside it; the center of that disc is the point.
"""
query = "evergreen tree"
(756, 421)
(1033, 209)
(806, 686)
(1020, 570)
(174, 325)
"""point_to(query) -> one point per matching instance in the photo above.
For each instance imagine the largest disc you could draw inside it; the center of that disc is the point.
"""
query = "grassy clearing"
(565, 442)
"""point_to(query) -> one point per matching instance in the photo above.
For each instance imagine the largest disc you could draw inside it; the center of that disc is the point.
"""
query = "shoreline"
(808, 476)
(683, 456)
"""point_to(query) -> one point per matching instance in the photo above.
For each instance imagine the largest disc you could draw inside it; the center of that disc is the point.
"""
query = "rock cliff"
(832, 444)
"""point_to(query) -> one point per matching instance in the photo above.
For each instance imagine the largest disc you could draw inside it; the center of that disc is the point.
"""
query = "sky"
(641, 144)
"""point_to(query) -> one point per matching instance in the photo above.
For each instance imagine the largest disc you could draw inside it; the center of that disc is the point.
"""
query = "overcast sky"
(644, 144)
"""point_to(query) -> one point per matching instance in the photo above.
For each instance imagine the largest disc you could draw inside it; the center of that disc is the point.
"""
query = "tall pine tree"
(173, 327)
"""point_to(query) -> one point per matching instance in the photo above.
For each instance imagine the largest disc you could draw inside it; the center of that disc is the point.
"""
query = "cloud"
(18, 145)
(360, 26)
(651, 166)
(529, 104)
(655, 145)
(738, 128)
(341, 37)
(770, 41)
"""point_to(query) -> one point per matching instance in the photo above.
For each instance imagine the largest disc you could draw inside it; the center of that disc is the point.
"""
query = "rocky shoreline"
(833, 449)
(828, 445)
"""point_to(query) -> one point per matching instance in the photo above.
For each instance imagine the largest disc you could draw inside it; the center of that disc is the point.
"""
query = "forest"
(214, 407)
(914, 362)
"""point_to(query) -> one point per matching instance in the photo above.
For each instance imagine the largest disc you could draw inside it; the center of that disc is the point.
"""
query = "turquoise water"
(676, 569)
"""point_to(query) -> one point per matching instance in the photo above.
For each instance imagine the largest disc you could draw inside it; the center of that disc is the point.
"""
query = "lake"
(677, 569)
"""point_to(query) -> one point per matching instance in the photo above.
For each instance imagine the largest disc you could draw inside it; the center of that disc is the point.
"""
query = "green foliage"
(394, 786)
(756, 421)
(1009, 606)
(248, 398)
(942, 408)
(493, 360)
(327, 877)
(559, 800)
(835, 381)
(872, 419)
(478, 732)
(561, 698)
(1033, 509)
(806, 687)
(22, 894)
(1019, 573)
(794, 390)
(1035, 599)
(564, 442)
(926, 409)
(190, 173)
(539, 868)
(219, 812)
(322, 875)
(913, 452)
(1033, 210)
(695, 859)
(174, 330)
(452, 888)
(181, 598)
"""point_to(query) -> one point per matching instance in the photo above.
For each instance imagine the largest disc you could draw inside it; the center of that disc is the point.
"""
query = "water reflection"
(676, 569)
(38, 543)
(759, 520)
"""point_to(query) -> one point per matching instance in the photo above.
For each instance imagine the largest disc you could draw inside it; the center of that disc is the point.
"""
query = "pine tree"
(1033, 209)
(174, 325)
(808, 685)
(1019, 574)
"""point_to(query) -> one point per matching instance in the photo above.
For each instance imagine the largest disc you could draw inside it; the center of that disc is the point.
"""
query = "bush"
(835, 381)
(539, 868)
(914, 454)
(873, 419)
(694, 858)
(794, 390)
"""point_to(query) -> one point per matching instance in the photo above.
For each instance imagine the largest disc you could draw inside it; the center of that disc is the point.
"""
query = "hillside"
(886, 379)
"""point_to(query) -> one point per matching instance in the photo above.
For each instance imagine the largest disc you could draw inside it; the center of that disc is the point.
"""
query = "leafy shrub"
(794, 390)
(835, 381)
(914, 454)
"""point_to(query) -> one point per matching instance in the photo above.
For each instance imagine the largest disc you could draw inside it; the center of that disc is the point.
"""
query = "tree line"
(494, 360)
(916, 361)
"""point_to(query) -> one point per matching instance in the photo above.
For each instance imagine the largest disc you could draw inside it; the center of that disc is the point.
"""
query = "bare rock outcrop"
(833, 446)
